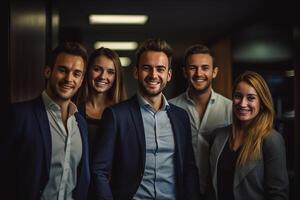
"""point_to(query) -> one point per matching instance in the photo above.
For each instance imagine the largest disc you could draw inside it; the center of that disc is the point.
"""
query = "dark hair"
(72, 48)
(154, 44)
(117, 92)
(196, 49)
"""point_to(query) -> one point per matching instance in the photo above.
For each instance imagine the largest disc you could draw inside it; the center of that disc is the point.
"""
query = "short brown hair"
(197, 49)
(154, 44)
(73, 48)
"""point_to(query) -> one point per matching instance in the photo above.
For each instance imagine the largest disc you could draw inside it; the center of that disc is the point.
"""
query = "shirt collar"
(51, 105)
(212, 98)
(144, 103)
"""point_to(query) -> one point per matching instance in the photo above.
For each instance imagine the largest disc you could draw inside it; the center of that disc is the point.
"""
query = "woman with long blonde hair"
(248, 159)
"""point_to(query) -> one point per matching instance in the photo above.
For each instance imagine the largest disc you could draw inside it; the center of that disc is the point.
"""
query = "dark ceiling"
(181, 23)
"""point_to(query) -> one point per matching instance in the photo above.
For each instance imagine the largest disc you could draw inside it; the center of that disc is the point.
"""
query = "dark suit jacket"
(119, 163)
(26, 153)
(265, 178)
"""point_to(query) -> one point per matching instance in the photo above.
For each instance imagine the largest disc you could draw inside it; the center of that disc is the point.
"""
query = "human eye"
(161, 69)
(146, 68)
(96, 68)
(62, 69)
(205, 67)
(237, 96)
(111, 71)
(192, 67)
(77, 73)
(251, 98)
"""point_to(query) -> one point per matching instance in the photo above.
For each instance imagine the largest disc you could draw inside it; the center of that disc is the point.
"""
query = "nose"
(103, 74)
(198, 71)
(153, 72)
(69, 76)
(243, 102)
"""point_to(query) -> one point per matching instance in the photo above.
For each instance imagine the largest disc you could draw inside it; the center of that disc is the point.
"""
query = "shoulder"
(124, 105)
(26, 106)
(223, 99)
(81, 108)
(177, 110)
(273, 140)
(220, 132)
(178, 99)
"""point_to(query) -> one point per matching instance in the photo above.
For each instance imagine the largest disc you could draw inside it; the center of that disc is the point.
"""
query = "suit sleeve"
(103, 155)
(276, 177)
(191, 179)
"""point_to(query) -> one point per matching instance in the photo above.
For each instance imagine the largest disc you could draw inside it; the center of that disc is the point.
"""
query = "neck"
(62, 103)
(155, 101)
(237, 138)
(98, 100)
(200, 98)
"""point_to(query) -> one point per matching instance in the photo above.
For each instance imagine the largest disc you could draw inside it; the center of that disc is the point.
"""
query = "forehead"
(104, 61)
(245, 88)
(200, 58)
(154, 58)
(69, 60)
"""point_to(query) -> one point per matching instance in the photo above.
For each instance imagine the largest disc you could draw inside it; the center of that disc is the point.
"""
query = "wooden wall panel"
(27, 49)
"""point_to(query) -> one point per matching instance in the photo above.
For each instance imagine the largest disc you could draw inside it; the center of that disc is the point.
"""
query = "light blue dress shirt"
(158, 180)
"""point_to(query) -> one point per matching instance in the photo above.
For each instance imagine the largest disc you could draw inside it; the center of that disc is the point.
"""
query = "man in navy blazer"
(45, 152)
(144, 150)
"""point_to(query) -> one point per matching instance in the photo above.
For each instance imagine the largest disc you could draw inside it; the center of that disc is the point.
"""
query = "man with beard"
(45, 153)
(207, 109)
(145, 149)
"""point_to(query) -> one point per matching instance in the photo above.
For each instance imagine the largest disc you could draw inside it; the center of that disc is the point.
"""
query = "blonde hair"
(261, 125)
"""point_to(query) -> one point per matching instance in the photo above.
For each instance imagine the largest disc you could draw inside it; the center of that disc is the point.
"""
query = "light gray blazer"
(262, 179)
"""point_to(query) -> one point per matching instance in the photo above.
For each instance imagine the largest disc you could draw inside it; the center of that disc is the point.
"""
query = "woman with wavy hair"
(248, 158)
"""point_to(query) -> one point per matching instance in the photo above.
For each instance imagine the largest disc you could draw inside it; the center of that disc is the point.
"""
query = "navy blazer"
(119, 162)
(26, 153)
(265, 178)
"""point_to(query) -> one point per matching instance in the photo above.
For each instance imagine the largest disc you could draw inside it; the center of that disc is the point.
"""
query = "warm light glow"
(116, 45)
(118, 19)
(125, 61)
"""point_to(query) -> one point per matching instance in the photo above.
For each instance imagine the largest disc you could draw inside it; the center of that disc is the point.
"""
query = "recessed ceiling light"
(116, 45)
(125, 61)
(118, 19)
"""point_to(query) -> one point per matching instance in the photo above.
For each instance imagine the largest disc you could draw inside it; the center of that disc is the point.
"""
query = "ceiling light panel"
(116, 45)
(118, 19)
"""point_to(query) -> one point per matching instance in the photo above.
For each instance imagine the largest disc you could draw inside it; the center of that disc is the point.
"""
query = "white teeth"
(152, 82)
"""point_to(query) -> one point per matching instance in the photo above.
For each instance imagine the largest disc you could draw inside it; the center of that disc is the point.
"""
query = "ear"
(169, 75)
(215, 72)
(135, 72)
(47, 72)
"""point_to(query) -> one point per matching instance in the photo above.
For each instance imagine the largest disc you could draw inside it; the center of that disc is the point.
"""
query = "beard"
(147, 92)
(58, 95)
(201, 91)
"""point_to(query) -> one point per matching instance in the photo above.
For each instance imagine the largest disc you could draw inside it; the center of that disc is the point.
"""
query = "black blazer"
(119, 163)
(26, 153)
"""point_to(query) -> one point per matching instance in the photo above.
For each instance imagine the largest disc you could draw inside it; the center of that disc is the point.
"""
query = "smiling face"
(65, 77)
(152, 73)
(246, 103)
(102, 74)
(200, 72)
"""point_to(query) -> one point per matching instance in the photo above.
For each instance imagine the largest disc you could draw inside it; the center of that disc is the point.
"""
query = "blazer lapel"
(216, 150)
(178, 150)
(43, 122)
(138, 123)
